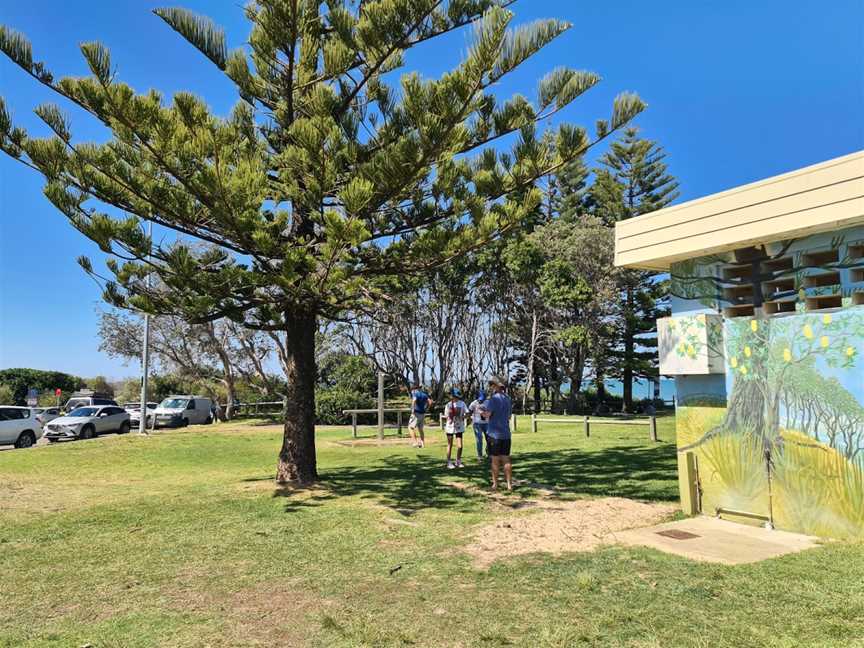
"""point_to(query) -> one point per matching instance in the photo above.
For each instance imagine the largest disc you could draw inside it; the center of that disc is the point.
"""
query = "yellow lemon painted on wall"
(823, 341)
(787, 354)
(744, 370)
(747, 351)
(754, 325)
(826, 319)
(808, 332)
(691, 351)
(733, 362)
(850, 351)
(701, 317)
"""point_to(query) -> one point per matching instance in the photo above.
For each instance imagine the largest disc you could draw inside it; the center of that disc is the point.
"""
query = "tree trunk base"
(290, 474)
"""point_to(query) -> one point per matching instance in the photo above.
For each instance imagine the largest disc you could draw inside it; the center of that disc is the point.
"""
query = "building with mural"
(766, 345)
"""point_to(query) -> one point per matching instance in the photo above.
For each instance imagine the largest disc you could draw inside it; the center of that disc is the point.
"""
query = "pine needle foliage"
(327, 180)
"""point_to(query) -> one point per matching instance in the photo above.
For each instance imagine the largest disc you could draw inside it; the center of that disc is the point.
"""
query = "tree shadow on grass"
(409, 484)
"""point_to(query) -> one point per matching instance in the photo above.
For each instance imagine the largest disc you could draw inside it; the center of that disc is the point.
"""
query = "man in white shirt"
(480, 424)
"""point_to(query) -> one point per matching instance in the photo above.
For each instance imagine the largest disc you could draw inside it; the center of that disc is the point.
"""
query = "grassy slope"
(181, 539)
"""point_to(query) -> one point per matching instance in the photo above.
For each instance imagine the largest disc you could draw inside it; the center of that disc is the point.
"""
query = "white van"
(180, 411)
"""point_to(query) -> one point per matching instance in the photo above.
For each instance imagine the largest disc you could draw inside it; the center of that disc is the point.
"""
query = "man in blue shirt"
(496, 410)
(420, 404)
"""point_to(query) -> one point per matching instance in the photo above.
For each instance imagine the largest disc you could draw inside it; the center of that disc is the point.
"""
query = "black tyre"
(209, 420)
(26, 440)
(184, 422)
(87, 432)
(124, 428)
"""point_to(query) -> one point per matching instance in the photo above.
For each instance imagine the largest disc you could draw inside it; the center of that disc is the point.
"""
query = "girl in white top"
(455, 413)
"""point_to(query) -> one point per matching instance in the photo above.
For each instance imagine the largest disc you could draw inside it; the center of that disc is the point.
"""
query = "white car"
(86, 401)
(88, 422)
(134, 410)
(19, 427)
(45, 414)
(180, 411)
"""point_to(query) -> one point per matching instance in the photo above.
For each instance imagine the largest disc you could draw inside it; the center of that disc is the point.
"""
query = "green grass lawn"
(182, 539)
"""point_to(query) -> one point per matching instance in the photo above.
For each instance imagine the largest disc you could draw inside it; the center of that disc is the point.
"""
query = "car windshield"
(84, 411)
(174, 403)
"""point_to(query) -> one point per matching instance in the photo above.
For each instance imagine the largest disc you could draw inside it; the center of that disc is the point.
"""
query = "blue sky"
(737, 91)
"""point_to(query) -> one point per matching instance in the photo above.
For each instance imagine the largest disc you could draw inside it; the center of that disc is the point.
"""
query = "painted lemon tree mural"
(790, 443)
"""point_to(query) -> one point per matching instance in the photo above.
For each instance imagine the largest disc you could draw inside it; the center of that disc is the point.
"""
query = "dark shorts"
(458, 435)
(498, 447)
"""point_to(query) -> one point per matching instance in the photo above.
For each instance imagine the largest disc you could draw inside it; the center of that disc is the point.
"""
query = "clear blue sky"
(737, 90)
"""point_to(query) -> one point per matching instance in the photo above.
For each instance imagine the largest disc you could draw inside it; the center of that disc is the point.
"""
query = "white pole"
(145, 355)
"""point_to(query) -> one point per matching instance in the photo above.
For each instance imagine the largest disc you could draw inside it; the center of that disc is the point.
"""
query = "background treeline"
(544, 305)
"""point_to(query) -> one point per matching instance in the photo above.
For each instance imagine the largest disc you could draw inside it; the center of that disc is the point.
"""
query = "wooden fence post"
(354, 424)
(587, 428)
(399, 421)
(652, 422)
(534, 423)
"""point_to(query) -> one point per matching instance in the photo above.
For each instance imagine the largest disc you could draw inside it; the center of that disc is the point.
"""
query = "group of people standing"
(490, 418)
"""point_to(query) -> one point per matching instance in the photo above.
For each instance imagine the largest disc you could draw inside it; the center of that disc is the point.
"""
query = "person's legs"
(459, 450)
(412, 430)
(478, 439)
(449, 449)
(420, 423)
(508, 471)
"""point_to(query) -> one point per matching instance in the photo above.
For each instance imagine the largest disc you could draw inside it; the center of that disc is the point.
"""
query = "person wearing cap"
(455, 413)
(479, 423)
(496, 411)
(420, 404)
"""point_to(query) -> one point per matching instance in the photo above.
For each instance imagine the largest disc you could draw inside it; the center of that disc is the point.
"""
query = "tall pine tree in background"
(325, 183)
(633, 180)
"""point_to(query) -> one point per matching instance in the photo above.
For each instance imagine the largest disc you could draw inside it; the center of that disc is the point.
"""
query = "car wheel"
(184, 422)
(125, 426)
(87, 432)
(26, 440)
(208, 420)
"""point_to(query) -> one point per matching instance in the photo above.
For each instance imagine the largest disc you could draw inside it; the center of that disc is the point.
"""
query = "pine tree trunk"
(629, 343)
(297, 464)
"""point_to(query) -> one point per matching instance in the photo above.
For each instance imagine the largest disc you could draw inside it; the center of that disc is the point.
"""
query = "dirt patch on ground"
(375, 441)
(268, 614)
(556, 526)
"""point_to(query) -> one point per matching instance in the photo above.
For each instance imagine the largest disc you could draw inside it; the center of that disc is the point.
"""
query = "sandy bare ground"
(557, 526)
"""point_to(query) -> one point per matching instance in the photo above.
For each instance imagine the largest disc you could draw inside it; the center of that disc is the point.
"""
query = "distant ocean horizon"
(641, 388)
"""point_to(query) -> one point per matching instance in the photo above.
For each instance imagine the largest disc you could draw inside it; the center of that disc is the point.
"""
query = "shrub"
(330, 401)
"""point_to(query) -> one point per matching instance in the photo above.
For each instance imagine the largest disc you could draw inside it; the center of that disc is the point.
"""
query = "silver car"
(88, 422)
(45, 414)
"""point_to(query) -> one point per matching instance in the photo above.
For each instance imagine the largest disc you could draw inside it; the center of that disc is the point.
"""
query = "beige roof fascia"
(820, 198)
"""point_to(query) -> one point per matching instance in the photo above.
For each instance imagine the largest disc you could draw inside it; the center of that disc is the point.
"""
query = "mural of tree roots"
(795, 411)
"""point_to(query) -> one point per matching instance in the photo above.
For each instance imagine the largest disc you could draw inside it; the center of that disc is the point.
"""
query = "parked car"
(180, 411)
(134, 410)
(87, 401)
(88, 422)
(19, 427)
(45, 414)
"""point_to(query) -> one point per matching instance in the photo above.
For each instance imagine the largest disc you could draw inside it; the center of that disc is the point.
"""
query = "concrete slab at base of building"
(717, 541)
(766, 343)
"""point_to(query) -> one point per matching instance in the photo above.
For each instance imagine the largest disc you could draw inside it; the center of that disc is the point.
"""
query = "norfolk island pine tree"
(322, 186)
